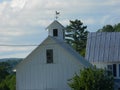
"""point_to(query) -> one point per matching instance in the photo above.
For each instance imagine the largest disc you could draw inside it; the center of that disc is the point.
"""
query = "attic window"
(49, 55)
(55, 32)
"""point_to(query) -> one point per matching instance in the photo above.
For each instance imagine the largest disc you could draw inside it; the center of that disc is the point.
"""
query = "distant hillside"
(7, 59)
(10, 63)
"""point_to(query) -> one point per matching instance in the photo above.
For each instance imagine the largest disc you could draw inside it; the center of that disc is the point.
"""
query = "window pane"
(109, 68)
(49, 56)
(114, 70)
(55, 32)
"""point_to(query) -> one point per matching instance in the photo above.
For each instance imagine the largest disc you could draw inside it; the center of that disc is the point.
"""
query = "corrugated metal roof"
(103, 47)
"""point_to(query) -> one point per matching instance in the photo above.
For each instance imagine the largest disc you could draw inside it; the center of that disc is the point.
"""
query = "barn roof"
(53, 23)
(70, 50)
(64, 45)
(103, 47)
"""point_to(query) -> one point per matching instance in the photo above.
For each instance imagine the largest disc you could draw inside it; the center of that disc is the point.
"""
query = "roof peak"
(55, 21)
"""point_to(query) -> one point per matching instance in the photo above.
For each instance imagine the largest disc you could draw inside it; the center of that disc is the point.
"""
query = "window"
(55, 32)
(49, 55)
(114, 70)
(109, 69)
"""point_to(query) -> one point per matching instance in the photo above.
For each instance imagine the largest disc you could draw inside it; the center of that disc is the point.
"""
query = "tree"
(117, 27)
(9, 82)
(7, 77)
(3, 86)
(76, 36)
(3, 73)
(110, 28)
(107, 28)
(92, 79)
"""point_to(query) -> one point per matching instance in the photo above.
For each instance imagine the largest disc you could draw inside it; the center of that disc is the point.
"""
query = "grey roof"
(64, 45)
(103, 47)
(70, 50)
(52, 24)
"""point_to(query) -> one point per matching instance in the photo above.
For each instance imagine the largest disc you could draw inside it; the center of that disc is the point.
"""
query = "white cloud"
(105, 19)
(10, 48)
(26, 18)
(15, 51)
(18, 4)
(4, 39)
(89, 21)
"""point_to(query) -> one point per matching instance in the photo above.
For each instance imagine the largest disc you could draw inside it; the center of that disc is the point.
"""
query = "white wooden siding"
(59, 27)
(35, 74)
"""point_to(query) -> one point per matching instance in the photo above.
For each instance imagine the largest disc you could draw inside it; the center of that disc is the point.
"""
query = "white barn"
(103, 50)
(51, 64)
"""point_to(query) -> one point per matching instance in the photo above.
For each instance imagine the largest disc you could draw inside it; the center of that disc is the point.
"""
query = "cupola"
(56, 30)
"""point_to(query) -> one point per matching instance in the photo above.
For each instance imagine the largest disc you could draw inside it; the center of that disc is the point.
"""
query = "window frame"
(110, 69)
(49, 56)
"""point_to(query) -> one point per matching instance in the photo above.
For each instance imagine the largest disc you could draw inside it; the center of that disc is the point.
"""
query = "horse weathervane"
(56, 14)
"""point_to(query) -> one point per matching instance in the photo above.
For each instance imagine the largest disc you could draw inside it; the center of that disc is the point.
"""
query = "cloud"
(18, 4)
(24, 21)
(15, 51)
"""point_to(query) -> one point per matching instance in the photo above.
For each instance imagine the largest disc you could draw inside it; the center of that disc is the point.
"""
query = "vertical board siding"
(37, 75)
(103, 47)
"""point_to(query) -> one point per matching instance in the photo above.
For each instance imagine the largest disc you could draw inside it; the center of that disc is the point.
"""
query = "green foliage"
(7, 77)
(76, 36)
(3, 86)
(107, 28)
(9, 82)
(92, 79)
(110, 28)
(117, 27)
(3, 72)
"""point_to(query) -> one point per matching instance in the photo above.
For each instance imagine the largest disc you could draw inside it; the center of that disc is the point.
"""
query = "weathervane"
(56, 14)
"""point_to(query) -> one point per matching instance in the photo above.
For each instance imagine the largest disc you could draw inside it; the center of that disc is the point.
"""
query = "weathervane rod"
(57, 15)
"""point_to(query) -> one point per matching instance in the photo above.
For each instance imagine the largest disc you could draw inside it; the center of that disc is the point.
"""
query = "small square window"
(49, 56)
(55, 32)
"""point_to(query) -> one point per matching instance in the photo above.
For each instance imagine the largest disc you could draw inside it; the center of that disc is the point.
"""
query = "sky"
(23, 22)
